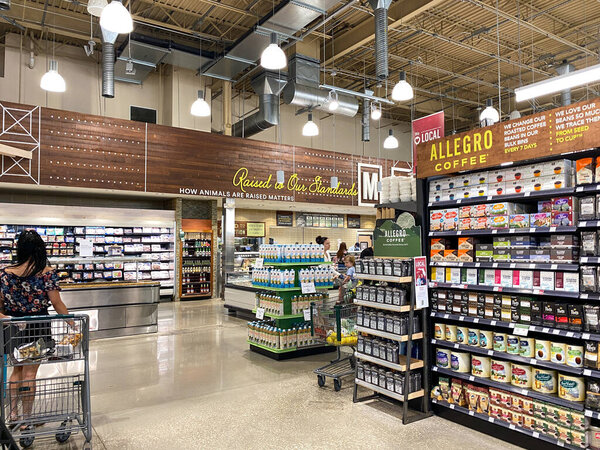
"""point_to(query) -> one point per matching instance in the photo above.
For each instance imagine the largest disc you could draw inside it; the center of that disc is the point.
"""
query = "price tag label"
(491, 419)
(512, 427)
(589, 413)
(533, 361)
(307, 315)
(490, 197)
(585, 296)
(585, 336)
(429, 205)
(430, 233)
(527, 194)
(259, 263)
(471, 413)
(260, 313)
(471, 378)
(456, 346)
(579, 189)
(461, 319)
(587, 372)
(554, 267)
(511, 325)
(434, 341)
(555, 331)
(458, 233)
(490, 352)
(552, 229)
(446, 316)
(532, 328)
(476, 320)
(451, 405)
(560, 443)
(513, 265)
(545, 330)
(435, 369)
(532, 230)
(477, 264)
(308, 288)
(584, 259)
(535, 434)
(495, 265)
(524, 392)
(459, 201)
(570, 334)
(493, 323)
(494, 231)
(521, 330)
(511, 231)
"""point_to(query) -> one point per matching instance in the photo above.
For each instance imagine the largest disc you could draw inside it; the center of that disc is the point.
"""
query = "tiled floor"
(195, 384)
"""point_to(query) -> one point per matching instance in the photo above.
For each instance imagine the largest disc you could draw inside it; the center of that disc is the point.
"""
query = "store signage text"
(461, 148)
(369, 176)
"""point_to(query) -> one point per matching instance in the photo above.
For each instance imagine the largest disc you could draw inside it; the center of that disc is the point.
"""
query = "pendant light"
(95, 7)
(52, 81)
(515, 115)
(402, 91)
(332, 101)
(375, 111)
(273, 58)
(310, 128)
(390, 142)
(200, 108)
(490, 114)
(116, 18)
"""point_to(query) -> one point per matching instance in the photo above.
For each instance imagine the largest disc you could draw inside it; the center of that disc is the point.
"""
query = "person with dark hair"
(28, 288)
(324, 241)
(367, 253)
(342, 252)
(356, 247)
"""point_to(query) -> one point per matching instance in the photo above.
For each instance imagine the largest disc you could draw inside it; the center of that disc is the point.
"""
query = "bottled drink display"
(266, 334)
(274, 303)
(196, 264)
(297, 253)
(320, 276)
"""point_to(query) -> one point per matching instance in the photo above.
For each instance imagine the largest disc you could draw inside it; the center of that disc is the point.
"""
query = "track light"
(375, 111)
(390, 142)
(310, 128)
(403, 91)
(332, 101)
(116, 18)
(200, 108)
(490, 114)
(52, 81)
(273, 58)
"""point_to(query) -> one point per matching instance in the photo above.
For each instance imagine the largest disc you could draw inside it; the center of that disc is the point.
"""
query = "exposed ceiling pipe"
(366, 117)
(108, 63)
(564, 69)
(380, 7)
(4, 4)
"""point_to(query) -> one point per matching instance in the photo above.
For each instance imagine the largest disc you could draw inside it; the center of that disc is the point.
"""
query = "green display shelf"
(297, 264)
(273, 350)
(285, 316)
(274, 289)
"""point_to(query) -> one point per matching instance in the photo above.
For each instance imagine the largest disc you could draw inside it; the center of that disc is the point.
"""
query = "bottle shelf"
(415, 363)
(387, 393)
(383, 306)
(386, 335)
(389, 279)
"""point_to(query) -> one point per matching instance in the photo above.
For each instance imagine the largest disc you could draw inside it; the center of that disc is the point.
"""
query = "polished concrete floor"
(196, 385)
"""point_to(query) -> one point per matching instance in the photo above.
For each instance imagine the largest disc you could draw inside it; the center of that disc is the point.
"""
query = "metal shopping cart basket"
(45, 407)
(334, 325)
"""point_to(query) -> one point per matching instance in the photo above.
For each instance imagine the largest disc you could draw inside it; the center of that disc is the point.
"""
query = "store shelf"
(503, 198)
(385, 335)
(563, 267)
(285, 316)
(587, 188)
(401, 206)
(538, 230)
(503, 355)
(592, 414)
(589, 224)
(296, 264)
(504, 424)
(208, 294)
(415, 363)
(274, 289)
(374, 305)
(389, 279)
(387, 393)
(589, 296)
(591, 373)
(532, 328)
(507, 290)
(509, 387)
(273, 350)
(589, 260)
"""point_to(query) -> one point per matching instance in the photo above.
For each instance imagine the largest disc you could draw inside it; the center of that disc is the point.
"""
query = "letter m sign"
(369, 176)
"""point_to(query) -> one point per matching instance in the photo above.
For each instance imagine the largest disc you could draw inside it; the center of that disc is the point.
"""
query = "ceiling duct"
(4, 4)
(268, 86)
(366, 117)
(564, 69)
(303, 88)
(108, 63)
(288, 18)
(380, 7)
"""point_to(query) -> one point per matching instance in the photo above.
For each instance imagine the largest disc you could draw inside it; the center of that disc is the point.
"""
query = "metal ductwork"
(303, 88)
(108, 63)
(366, 117)
(380, 7)
(268, 86)
(564, 69)
(4, 4)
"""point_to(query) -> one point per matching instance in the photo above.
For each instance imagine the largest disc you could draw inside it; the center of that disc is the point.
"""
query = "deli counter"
(240, 295)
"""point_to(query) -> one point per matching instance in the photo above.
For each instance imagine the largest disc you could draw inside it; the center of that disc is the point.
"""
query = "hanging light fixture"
(95, 7)
(557, 84)
(489, 115)
(375, 111)
(200, 108)
(310, 128)
(52, 81)
(390, 142)
(116, 18)
(273, 58)
(515, 115)
(332, 101)
(402, 91)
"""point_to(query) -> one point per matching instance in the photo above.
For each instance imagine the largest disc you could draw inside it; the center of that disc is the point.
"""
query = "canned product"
(500, 371)
(443, 358)
(480, 366)
(542, 350)
(462, 335)
(460, 362)
(512, 344)
(574, 355)
(486, 339)
(473, 338)
(571, 388)
(520, 375)
(544, 381)
(451, 333)
(558, 352)
(500, 342)
(527, 347)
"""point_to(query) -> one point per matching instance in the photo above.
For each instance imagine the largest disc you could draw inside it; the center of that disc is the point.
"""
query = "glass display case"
(243, 261)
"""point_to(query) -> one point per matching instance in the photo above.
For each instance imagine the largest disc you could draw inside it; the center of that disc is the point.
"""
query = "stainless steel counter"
(117, 309)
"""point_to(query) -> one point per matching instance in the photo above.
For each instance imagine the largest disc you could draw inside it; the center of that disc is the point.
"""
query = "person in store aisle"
(356, 247)
(27, 288)
(340, 255)
(324, 241)
(349, 279)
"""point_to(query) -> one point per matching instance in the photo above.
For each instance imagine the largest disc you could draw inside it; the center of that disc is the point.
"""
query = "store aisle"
(196, 385)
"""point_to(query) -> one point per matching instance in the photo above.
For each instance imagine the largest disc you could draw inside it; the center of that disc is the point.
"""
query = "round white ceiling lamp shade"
(95, 7)
(52, 81)
(310, 128)
(333, 102)
(116, 18)
(200, 108)
(375, 111)
(402, 91)
(490, 114)
(273, 58)
(390, 142)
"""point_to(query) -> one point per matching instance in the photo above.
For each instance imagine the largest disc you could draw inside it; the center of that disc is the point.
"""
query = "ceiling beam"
(209, 2)
(400, 12)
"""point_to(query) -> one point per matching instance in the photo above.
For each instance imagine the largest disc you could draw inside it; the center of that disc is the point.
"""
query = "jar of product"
(360, 371)
(451, 333)
(390, 384)
(374, 321)
(387, 267)
(398, 326)
(368, 374)
(380, 296)
(399, 383)
(500, 342)
(486, 339)
(396, 296)
(574, 355)
(439, 331)
(544, 380)
(526, 347)
(520, 375)
(376, 347)
(378, 267)
(473, 337)
(375, 376)
(462, 335)
(395, 358)
(512, 344)
(571, 388)
(382, 378)
(368, 346)
(558, 352)
(360, 344)
(397, 268)
(542, 350)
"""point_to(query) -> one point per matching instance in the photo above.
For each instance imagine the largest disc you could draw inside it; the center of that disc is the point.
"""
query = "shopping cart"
(334, 325)
(45, 407)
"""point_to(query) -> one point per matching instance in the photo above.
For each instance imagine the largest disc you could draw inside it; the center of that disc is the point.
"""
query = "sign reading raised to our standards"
(566, 129)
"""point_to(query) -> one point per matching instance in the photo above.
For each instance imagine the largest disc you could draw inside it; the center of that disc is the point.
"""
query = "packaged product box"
(471, 276)
(436, 185)
(497, 188)
(584, 171)
(463, 181)
(563, 219)
(559, 181)
(467, 224)
(519, 254)
(526, 279)
(544, 242)
(436, 220)
(451, 219)
(479, 179)
(502, 255)
(523, 241)
(564, 240)
(496, 176)
(515, 316)
(589, 243)
(435, 196)
(448, 183)
(514, 187)
(513, 174)
(544, 206)
(588, 279)
(446, 195)
(439, 244)
(565, 204)
(503, 209)
(464, 212)
(466, 243)
(498, 222)
(576, 317)
(453, 194)
(479, 211)
(479, 191)
(564, 254)
(463, 193)
(506, 278)
(540, 220)
(559, 281)
(465, 255)
(484, 252)
(436, 255)
(516, 281)
(518, 221)
(549, 313)
(587, 208)
(571, 281)
(540, 255)
(454, 275)
(497, 277)
(501, 242)
(450, 255)
(489, 277)
(562, 316)
(505, 314)
(536, 279)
